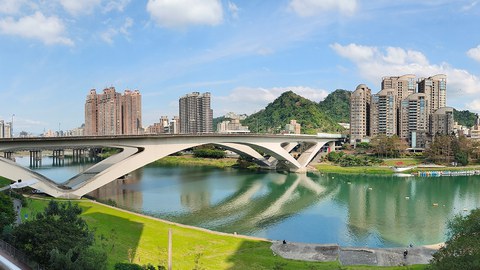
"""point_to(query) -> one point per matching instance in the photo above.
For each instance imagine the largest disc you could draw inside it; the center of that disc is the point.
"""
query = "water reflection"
(352, 210)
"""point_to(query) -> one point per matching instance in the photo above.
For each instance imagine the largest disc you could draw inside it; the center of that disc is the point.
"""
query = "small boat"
(402, 169)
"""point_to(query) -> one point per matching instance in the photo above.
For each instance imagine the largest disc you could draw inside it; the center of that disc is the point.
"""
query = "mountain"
(291, 106)
(337, 106)
(464, 118)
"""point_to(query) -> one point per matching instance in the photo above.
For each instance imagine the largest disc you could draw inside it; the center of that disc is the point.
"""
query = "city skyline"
(245, 54)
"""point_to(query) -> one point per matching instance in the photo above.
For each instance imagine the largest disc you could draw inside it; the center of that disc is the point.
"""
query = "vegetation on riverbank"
(4, 181)
(140, 239)
(329, 168)
(189, 160)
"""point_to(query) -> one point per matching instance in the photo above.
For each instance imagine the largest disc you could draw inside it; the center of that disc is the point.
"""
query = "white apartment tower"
(383, 113)
(196, 115)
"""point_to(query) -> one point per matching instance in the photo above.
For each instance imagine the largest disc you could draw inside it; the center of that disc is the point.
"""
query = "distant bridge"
(138, 151)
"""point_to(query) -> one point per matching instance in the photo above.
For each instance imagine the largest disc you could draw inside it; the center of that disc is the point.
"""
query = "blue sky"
(246, 53)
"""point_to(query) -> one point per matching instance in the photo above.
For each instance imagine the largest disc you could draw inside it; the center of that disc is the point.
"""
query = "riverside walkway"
(353, 256)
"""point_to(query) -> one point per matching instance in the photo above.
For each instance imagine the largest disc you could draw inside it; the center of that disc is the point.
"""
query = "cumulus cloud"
(111, 33)
(474, 53)
(77, 7)
(307, 8)
(49, 30)
(181, 13)
(374, 63)
(250, 99)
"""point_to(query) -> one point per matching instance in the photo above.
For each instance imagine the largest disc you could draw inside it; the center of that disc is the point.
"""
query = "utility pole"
(169, 249)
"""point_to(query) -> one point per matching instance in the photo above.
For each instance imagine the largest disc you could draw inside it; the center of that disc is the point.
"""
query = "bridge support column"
(35, 158)
(8, 155)
(58, 157)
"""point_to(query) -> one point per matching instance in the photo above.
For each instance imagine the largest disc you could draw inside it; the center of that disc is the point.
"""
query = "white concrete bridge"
(138, 151)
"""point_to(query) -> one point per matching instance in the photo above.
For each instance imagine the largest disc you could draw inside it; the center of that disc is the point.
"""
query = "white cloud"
(307, 8)
(469, 6)
(248, 99)
(118, 5)
(77, 7)
(474, 105)
(181, 13)
(233, 9)
(11, 6)
(111, 33)
(474, 53)
(374, 63)
(50, 30)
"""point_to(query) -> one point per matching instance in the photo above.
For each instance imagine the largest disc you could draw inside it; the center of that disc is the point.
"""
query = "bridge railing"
(18, 255)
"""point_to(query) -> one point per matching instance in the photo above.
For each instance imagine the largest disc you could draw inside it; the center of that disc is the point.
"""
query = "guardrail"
(18, 255)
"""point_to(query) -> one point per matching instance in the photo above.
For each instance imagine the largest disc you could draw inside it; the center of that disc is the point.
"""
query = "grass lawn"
(402, 162)
(127, 235)
(4, 181)
(189, 160)
(329, 168)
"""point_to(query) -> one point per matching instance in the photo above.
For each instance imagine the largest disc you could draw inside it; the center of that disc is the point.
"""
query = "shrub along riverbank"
(189, 160)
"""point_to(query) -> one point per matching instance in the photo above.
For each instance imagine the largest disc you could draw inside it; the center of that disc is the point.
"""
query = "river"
(351, 210)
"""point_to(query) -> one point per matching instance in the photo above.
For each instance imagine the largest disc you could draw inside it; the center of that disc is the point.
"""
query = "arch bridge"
(138, 151)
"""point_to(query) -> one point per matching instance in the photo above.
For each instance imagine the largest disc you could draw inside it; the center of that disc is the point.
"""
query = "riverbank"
(189, 160)
(416, 257)
(387, 170)
(145, 239)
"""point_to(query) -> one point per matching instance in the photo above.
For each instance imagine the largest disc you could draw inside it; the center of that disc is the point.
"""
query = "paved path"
(353, 256)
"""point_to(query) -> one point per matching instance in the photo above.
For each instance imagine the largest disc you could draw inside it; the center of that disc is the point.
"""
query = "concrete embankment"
(354, 256)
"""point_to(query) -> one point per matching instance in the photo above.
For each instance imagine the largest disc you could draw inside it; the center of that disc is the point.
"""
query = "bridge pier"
(58, 157)
(35, 158)
(8, 155)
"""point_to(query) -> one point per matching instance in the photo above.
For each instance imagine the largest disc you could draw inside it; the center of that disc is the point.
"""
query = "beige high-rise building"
(131, 112)
(441, 122)
(403, 85)
(360, 113)
(196, 116)
(414, 120)
(112, 113)
(383, 113)
(435, 89)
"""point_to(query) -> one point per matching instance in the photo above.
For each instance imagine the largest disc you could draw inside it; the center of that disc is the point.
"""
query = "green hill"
(337, 106)
(290, 106)
(464, 118)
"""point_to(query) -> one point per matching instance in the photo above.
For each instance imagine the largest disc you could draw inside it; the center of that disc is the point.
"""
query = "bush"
(209, 153)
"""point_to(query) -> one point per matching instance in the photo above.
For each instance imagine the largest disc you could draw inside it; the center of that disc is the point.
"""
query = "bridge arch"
(138, 151)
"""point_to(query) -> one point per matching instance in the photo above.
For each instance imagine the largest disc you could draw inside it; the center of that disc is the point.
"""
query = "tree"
(59, 227)
(7, 213)
(384, 146)
(462, 249)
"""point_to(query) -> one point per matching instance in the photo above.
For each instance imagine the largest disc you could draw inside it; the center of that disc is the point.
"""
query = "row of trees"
(346, 160)
(446, 149)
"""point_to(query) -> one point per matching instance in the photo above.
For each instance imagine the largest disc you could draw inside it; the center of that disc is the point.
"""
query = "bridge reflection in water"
(350, 210)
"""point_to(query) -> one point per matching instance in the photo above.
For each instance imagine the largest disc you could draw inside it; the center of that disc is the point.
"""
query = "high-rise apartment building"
(441, 122)
(414, 119)
(360, 101)
(112, 113)
(435, 89)
(402, 85)
(383, 113)
(196, 116)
